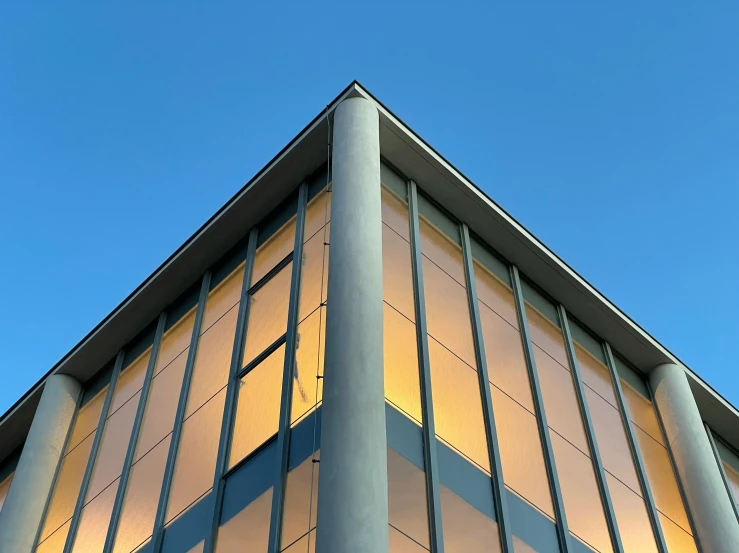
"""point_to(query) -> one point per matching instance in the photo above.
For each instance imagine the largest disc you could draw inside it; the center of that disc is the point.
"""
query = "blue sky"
(610, 131)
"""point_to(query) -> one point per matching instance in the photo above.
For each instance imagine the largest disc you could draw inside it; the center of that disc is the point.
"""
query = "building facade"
(361, 352)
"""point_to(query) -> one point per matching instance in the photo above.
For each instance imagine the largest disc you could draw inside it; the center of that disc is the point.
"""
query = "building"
(478, 395)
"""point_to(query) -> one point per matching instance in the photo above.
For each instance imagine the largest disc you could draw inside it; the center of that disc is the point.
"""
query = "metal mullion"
(254, 363)
(174, 442)
(224, 439)
(134, 438)
(636, 455)
(80, 503)
(600, 473)
(431, 462)
(496, 467)
(283, 432)
(720, 464)
(562, 527)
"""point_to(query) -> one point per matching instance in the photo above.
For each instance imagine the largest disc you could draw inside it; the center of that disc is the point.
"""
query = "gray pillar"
(708, 501)
(352, 496)
(24, 506)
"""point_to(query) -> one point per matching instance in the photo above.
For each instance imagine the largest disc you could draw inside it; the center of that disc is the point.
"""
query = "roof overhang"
(416, 160)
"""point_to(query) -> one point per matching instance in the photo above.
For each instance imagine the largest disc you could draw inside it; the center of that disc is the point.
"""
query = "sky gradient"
(609, 131)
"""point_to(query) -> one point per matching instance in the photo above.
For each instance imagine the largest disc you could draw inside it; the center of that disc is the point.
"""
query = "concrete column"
(24, 506)
(352, 497)
(713, 515)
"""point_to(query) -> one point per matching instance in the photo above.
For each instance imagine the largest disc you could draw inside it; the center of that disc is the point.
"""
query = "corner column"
(352, 489)
(34, 477)
(705, 493)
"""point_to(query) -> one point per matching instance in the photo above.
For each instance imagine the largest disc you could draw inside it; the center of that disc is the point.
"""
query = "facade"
(440, 382)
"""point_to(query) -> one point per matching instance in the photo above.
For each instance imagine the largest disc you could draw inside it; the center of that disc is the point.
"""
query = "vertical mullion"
(134, 438)
(635, 451)
(563, 530)
(80, 503)
(496, 468)
(161, 512)
(600, 473)
(721, 469)
(427, 405)
(283, 432)
(224, 440)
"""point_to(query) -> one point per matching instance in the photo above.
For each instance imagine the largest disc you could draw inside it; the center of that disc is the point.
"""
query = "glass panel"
(678, 540)
(306, 544)
(732, 475)
(495, 295)
(397, 277)
(248, 531)
(400, 543)
(395, 213)
(447, 312)
(402, 384)
(317, 214)
(113, 447)
(55, 543)
(175, 341)
(547, 335)
(301, 500)
(213, 361)
(67, 487)
(161, 406)
(267, 314)
(196, 459)
(223, 297)
(595, 375)
(521, 452)
(440, 246)
(458, 404)
(130, 381)
(258, 406)
(87, 419)
(274, 250)
(94, 521)
(307, 388)
(314, 275)
(584, 510)
(642, 413)
(465, 528)
(4, 488)
(407, 506)
(142, 497)
(632, 518)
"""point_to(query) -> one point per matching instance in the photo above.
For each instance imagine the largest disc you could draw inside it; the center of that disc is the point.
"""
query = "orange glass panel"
(213, 361)
(395, 213)
(307, 389)
(642, 413)
(407, 506)
(306, 544)
(400, 543)
(521, 453)
(733, 477)
(223, 297)
(66, 489)
(301, 500)
(595, 375)
(447, 312)
(548, 336)
(402, 381)
(397, 278)
(441, 250)
(4, 488)
(94, 521)
(317, 214)
(458, 405)
(249, 529)
(274, 250)
(583, 506)
(267, 314)
(677, 539)
(87, 419)
(113, 447)
(465, 528)
(130, 381)
(314, 275)
(632, 518)
(495, 295)
(258, 406)
(196, 459)
(55, 543)
(505, 359)
(521, 547)
(175, 341)
(161, 407)
(142, 497)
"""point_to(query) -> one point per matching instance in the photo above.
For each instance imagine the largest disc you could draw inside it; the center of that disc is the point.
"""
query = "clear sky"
(611, 131)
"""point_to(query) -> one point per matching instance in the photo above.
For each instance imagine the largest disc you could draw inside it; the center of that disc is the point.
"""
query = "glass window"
(466, 529)
(314, 273)
(248, 530)
(301, 500)
(307, 387)
(175, 341)
(88, 418)
(223, 297)
(274, 245)
(440, 240)
(730, 461)
(407, 505)
(94, 520)
(56, 541)
(631, 517)
(130, 381)
(4, 488)
(395, 212)
(402, 380)
(317, 214)
(397, 275)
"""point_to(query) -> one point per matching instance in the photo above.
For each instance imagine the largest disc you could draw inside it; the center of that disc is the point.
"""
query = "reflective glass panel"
(402, 381)
(175, 341)
(273, 250)
(440, 240)
(395, 213)
(55, 542)
(94, 521)
(465, 528)
(397, 276)
(314, 273)
(249, 529)
(317, 214)
(87, 419)
(4, 488)
(631, 517)
(301, 500)
(407, 506)
(130, 381)
(223, 297)
(307, 388)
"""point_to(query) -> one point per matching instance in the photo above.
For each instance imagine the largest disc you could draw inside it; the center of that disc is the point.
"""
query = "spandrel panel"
(442, 246)
(267, 314)
(595, 375)
(314, 273)
(465, 529)
(317, 214)
(223, 297)
(130, 381)
(175, 341)
(395, 213)
(547, 335)
(87, 419)
(402, 381)
(631, 517)
(307, 387)
(397, 277)
(495, 295)
(407, 504)
(642, 413)
(274, 250)
(301, 501)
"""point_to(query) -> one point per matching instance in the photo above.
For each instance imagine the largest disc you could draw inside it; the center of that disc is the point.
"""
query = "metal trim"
(80, 503)
(254, 363)
(720, 464)
(161, 512)
(636, 455)
(563, 529)
(600, 474)
(284, 262)
(431, 462)
(283, 432)
(496, 466)
(231, 388)
(134, 438)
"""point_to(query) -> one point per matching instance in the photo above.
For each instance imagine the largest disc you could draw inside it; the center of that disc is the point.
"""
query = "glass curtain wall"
(730, 463)
(4, 487)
